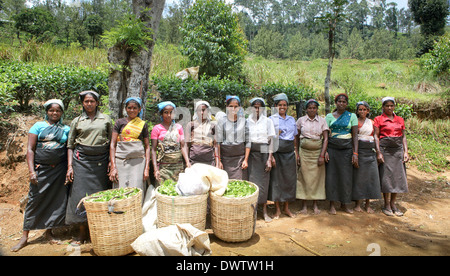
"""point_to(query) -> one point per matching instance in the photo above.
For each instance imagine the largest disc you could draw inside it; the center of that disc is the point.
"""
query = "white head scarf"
(197, 106)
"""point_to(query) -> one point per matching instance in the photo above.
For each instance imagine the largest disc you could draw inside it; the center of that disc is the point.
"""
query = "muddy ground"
(423, 230)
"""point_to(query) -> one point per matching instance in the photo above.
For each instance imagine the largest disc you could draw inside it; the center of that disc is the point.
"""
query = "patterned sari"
(170, 158)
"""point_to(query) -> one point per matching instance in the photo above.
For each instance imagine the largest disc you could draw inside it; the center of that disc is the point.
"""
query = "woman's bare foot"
(21, 244)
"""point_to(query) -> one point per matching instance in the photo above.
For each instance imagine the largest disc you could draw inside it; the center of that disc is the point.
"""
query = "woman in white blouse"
(261, 132)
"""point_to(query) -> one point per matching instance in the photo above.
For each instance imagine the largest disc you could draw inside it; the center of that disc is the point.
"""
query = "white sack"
(173, 240)
(149, 211)
(200, 178)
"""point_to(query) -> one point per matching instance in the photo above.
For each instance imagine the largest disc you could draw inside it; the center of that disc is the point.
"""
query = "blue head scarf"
(230, 97)
(139, 101)
(162, 105)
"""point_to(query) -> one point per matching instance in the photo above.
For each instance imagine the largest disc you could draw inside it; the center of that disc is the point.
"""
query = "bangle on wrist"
(355, 153)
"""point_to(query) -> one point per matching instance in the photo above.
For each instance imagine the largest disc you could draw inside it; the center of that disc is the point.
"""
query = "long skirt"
(130, 164)
(46, 207)
(170, 166)
(256, 171)
(283, 177)
(311, 176)
(393, 170)
(339, 176)
(203, 154)
(366, 181)
(232, 157)
(90, 175)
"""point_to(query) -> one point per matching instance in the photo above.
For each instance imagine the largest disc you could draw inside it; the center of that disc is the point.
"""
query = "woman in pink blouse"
(168, 147)
(313, 140)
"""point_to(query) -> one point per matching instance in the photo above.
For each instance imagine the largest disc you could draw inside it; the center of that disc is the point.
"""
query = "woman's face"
(341, 103)
(311, 110)
(256, 108)
(363, 111)
(202, 112)
(233, 107)
(54, 113)
(282, 107)
(90, 104)
(167, 114)
(388, 108)
(133, 109)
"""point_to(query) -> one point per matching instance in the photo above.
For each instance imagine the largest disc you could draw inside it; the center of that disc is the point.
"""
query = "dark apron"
(283, 177)
(90, 175)
(46, 207)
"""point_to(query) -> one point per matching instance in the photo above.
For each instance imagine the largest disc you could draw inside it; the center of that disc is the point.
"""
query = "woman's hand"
(355, 160)
(268, 165)
(380, 158)
(157, 175)
(33, 178)
(321, 161)
(244, 165)
(114, 175)
(69, 175)
(327, 157)
(405, 157)
(146, 174)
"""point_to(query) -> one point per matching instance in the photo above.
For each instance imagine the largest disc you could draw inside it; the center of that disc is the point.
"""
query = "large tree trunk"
(130, 75)
(332, 27)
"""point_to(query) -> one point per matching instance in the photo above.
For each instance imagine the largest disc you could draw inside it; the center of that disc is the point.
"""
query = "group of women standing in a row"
(336, 157)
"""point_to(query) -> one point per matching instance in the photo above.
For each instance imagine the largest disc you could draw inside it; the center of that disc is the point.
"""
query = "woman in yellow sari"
(130, 148)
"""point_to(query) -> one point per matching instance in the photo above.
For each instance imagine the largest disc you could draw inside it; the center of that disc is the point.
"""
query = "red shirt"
(388, 127)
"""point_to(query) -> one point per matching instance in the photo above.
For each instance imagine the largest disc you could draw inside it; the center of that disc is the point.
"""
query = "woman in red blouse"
(392, 154)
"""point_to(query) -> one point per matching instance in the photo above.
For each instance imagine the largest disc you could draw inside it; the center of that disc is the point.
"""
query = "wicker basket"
(181, 209)
(114, 225)
(234, 219)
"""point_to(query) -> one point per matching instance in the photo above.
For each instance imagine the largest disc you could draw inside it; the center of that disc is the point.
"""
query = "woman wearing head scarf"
(47, 164)
(232, 140)
(392, 154)
(168, 148)
(261, 134)
(313, 141)
(366, 181)
(88, 157)
(283, 179)
(202, 147)
(342, 154)
(130, 148)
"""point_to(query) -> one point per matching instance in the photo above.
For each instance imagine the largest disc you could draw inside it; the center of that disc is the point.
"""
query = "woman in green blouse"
(342, 153)
(88, 157)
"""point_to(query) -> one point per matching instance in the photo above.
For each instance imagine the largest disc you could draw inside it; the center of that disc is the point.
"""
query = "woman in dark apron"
(47, 163)
(88, 158)
(261, 135)
(283, 176)
(202, 146)
(366, 181)
(392, 154)
(342, 154)
(232, 140)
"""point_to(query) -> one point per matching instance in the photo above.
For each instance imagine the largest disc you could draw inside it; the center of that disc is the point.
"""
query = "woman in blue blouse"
(342, 153)
(283, 176)
(47, 163)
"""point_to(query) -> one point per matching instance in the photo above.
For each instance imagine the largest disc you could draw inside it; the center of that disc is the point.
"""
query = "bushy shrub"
(41, 82)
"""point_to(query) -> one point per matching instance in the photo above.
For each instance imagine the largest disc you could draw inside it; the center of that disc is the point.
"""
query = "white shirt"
(262, 130)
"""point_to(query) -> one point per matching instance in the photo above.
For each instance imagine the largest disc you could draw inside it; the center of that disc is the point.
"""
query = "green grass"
(429, 144)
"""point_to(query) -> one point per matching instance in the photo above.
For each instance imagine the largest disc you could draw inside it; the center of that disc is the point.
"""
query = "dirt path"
(423, 230)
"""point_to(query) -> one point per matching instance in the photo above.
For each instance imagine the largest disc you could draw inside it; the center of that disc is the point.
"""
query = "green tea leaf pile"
(239, 188)
(168, 188)
(116, 194)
